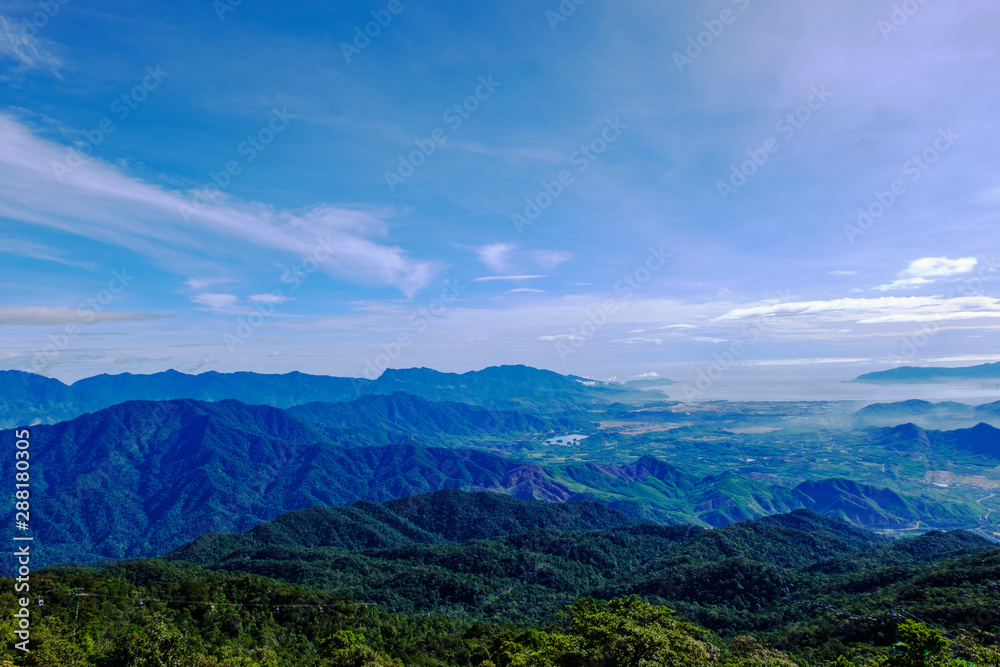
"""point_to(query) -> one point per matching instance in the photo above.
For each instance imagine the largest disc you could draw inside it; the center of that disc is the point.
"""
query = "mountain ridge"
(27, 398)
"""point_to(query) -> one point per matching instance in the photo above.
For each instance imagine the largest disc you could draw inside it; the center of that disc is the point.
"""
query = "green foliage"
(626, 632)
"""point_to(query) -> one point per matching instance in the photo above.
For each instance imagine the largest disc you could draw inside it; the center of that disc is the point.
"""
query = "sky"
(600, 188)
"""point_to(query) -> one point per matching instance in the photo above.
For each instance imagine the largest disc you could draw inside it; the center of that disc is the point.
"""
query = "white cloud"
(496, 256)
(50, 316)
(525, 290)
(29, 51)
(97, 201)
(485, 279)
(923, 272)
(842, 273)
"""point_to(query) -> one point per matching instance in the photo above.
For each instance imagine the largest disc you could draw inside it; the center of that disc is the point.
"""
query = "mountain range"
(27, 398)
(143, 477)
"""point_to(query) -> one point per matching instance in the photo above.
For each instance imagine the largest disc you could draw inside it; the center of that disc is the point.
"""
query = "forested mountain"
(430, 554)
(811, 588)
(28, 398)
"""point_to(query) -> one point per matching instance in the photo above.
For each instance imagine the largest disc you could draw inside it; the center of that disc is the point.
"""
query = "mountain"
(905, 438)
(27, 398)
(982, 440)
(921, 374)
(432, 518)
(143, 477)
(979, 445)
(867, 505)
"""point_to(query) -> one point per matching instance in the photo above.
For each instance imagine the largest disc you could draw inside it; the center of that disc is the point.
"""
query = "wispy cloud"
(496, 256)
(877, 310)
(28, 51)
(639, 340)
(97, 201)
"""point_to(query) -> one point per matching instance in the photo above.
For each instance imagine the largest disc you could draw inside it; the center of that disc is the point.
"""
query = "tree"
(626, 632)
(748, 652)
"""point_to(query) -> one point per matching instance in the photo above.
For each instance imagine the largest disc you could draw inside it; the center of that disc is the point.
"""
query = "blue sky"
(607, 189)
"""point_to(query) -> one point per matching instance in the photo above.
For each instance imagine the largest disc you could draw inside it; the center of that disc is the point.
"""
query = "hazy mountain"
(988, 410)
(925, 413)
(510, 387)
(919, 374)
(27, 398)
